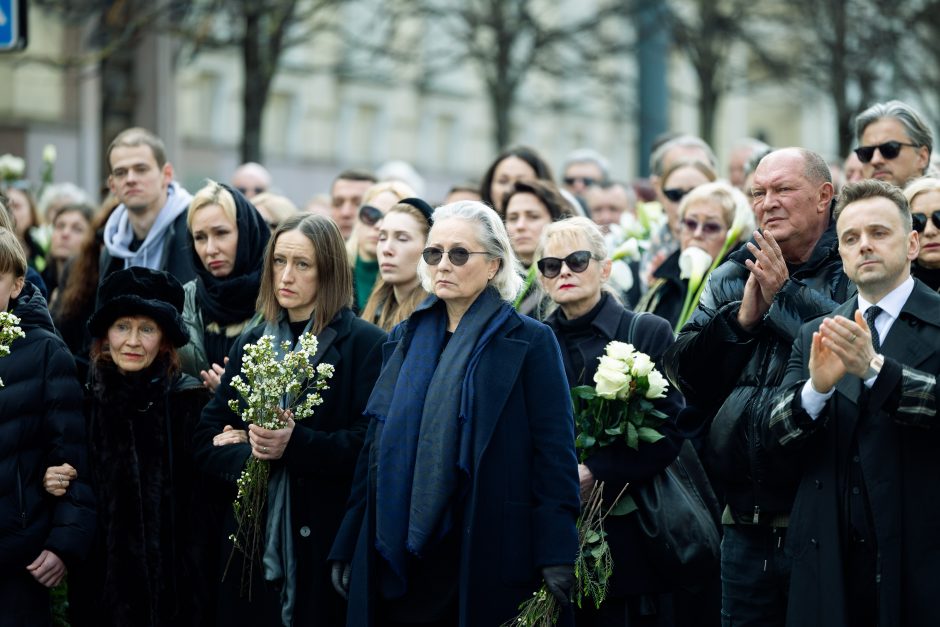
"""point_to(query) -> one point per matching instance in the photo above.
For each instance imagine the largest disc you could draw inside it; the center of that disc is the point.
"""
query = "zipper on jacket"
(756, 517)
(19, 495)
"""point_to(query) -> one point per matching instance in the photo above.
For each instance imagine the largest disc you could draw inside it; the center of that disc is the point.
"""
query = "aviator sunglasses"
(578, 261)
(370, 215)
(458, 256)
(708, 228)
(920, 221)
(889, 150)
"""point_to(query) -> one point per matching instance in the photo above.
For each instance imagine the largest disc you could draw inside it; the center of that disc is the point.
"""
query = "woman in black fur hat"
(145, 569)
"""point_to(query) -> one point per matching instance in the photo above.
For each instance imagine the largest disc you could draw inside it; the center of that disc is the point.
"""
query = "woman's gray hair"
(493, 238)
(912, 121)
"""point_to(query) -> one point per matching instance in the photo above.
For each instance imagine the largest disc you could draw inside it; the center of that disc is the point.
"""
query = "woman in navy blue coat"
(466, 493)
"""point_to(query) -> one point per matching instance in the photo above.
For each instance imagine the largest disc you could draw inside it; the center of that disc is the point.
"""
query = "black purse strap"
(632, 327)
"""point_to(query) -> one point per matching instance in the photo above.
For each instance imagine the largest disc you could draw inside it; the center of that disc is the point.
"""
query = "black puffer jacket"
(732, 374)
(41, 425)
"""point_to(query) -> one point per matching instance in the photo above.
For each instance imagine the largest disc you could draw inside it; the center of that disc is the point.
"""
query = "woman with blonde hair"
(402, 234)
(361, 245)
(923, 195)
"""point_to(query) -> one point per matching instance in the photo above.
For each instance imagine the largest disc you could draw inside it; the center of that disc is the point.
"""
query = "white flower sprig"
(264, 382)
(9, 331)
(12, 168)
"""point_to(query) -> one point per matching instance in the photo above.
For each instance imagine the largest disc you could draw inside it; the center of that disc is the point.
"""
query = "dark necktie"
(870, 314)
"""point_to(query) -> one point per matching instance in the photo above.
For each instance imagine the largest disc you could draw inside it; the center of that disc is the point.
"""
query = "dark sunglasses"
(888, 150)
(708, 228)
(370, 215)
(675, 194)
(458, 256)
(246, 190)
(587, 180)
(578, 261)
(920, 221)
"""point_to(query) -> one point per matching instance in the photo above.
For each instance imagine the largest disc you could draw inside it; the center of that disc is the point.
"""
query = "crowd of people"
(793, 307)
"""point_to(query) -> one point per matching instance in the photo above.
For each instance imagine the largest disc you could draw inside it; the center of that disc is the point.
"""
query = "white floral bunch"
(620, 405)
(9, 331)
(12, 168)
(265, 380)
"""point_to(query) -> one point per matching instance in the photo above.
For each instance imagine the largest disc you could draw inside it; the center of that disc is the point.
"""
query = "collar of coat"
(826, 248)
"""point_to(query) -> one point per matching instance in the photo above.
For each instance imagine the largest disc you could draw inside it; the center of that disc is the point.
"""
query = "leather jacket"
(732, 374)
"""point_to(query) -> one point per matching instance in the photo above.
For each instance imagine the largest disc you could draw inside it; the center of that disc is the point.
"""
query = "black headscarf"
(232, 299)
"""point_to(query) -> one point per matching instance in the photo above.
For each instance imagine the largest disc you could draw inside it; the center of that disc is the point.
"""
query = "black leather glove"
(339, 575)
(560, 582)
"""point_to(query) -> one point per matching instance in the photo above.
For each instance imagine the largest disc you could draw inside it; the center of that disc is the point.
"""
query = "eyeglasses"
(888, 150)
(708, 228)
(370, 215)
(920, 221)
(458, 256)
(675, 194)
(578, 261)
(254, 191)
(586, 180)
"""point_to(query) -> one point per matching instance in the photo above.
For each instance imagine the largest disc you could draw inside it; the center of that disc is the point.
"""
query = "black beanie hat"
(139, 291)
(421, 206)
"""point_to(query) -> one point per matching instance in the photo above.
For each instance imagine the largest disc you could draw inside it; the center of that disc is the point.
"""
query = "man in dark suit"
(860, 401)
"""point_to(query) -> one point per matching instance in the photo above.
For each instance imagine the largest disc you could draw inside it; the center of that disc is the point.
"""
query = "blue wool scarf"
(424, 428)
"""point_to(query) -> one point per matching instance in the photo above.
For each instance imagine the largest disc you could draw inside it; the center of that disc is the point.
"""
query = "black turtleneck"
(930, 276)
(573, 332)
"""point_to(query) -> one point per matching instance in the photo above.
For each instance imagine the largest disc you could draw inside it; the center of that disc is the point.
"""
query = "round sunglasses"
(920, 221)
(578, 261)
(458, 256)
(370, 215)
(889, 150)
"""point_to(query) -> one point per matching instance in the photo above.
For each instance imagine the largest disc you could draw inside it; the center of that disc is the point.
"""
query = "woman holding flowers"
(146, 567)
(306, 287)
(574, 268)
(714, 219)
(228, 237)
(465, 495)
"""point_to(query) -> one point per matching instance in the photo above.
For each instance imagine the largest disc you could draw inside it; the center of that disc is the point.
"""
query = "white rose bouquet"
(265, 381)
(9, 331)
(620, 406)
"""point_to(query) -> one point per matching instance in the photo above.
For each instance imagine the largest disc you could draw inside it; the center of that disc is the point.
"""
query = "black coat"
(731, 375)
(40, 426)
(666, 295)
(320, 458)
(520, 510)
(898, 453)
(147, 567)
(618, 464)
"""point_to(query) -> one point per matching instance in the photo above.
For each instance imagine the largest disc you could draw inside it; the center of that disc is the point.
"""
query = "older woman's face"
(507, 172)
(294, 265)
(215, 238)
(575, 292)
(680, 182)
(704, 226)
(459, 285)
(19, 207)
(401, 240)
(526, 216)
(134, 342)
(927, 203)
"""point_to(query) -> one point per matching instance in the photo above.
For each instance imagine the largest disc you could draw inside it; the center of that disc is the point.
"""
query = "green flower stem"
(692, 303)
(529, 280)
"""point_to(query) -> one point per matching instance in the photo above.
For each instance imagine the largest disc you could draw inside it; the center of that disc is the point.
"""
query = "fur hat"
(139, 291)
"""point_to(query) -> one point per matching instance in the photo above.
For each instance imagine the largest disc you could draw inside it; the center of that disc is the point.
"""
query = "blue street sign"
(12, 25)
